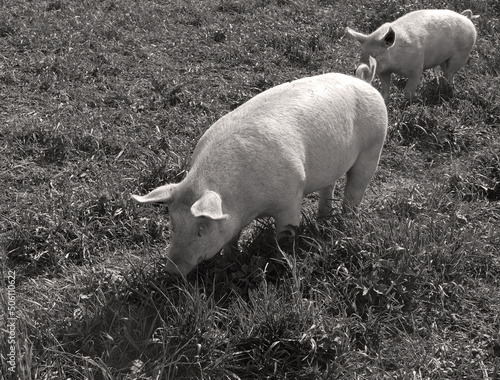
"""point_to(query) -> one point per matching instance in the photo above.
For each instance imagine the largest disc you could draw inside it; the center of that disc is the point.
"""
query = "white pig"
(418, 41)
(262, 158)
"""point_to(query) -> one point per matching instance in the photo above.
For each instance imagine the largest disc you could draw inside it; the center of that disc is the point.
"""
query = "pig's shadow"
(258, 260)
(436, 91)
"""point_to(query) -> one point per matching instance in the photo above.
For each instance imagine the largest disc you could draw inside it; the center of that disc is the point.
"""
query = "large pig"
(418, 41)
(262, 158)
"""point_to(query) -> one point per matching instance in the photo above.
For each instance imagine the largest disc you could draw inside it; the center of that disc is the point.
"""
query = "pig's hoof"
(325, 214)
(286, 238)
(445, 89)
(414, 100)
(288, 234)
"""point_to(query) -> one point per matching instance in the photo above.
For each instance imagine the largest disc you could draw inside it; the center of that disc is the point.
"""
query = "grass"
(99, 100)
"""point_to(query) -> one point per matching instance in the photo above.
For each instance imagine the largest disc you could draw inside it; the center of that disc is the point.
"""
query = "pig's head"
(375, 44)
(199, 227)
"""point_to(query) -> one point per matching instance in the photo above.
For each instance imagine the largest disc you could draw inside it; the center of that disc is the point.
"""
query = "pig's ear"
(360, 37)
(162, 194)
(209, 205)
(389, 37)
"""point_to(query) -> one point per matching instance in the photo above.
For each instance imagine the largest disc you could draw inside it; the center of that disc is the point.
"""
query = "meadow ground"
(101, 99)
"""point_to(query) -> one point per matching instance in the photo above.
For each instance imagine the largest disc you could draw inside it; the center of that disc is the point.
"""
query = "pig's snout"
(178, 265)
(181, 260)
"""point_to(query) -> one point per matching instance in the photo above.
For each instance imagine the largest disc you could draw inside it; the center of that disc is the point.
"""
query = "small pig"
(367, 72)
(418, 41)
(262, 159)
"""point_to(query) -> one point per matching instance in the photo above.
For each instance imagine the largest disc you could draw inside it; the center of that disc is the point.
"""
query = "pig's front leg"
(385, 80)
(325, 201)
(288, 220)
(232, 246)
(411, 85)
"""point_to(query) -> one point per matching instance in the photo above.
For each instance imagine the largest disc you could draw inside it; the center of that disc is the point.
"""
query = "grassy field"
(101, 99)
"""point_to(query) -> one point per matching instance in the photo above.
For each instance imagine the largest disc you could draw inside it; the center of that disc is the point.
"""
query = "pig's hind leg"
(358, 178)
(451, 66)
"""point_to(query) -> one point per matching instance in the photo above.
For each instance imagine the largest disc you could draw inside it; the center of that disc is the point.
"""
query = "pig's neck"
(236, 203)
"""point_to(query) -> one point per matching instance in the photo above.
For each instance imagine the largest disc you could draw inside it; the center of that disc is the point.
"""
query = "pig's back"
(435, 30)
(299, 109)
(431, 18)
(308, 110)
(317, 124)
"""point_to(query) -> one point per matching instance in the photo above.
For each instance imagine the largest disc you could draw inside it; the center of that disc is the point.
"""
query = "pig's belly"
(324, 173)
